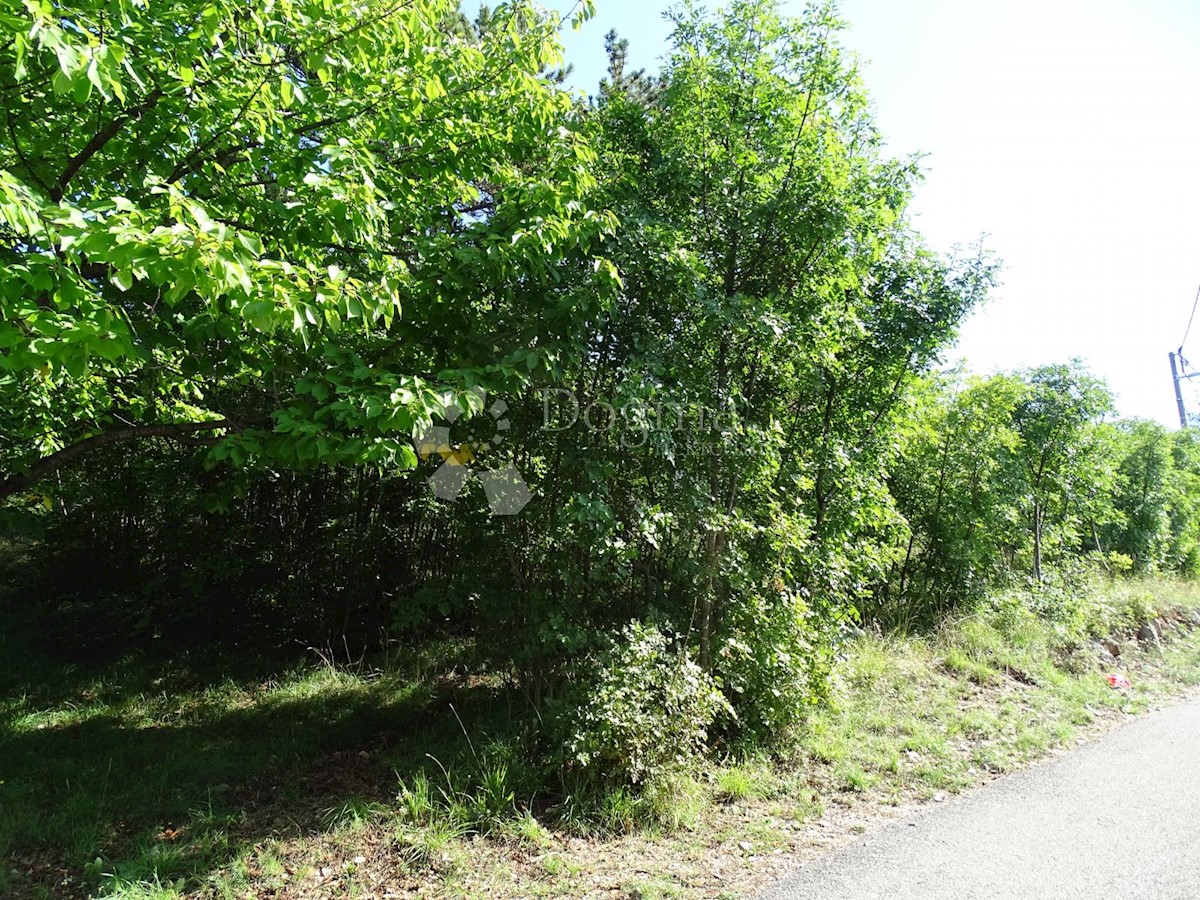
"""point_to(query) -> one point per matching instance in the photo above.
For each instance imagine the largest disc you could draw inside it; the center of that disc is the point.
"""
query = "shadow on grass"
(160, 772)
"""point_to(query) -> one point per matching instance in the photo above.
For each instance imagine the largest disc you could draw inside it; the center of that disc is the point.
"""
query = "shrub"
(647, 712)
(1132, 611)
(774, 662)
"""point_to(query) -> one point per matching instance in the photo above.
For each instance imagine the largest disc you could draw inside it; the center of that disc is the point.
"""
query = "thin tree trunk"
(1037, 541)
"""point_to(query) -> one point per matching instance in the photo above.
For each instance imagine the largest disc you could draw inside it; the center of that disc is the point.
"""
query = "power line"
(1191, 319)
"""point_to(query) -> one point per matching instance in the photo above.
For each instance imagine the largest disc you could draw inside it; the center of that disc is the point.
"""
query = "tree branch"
(14, 484)
(99, 139)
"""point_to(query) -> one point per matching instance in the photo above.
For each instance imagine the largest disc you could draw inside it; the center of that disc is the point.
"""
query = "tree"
(1183, 553)
(774, 309)
(277, 229)
(636, 85)
(1053, 421)
(954, 485)
(818, 304)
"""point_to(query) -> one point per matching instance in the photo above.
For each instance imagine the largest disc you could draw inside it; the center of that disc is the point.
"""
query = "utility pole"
(1178, 393)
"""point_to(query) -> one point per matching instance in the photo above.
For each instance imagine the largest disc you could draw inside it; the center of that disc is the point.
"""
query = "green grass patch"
(986, 692)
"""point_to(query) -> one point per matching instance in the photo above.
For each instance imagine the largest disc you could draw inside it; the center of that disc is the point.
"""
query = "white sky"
(1068, 131)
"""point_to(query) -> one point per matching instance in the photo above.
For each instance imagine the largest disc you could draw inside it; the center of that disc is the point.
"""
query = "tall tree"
(775, 307)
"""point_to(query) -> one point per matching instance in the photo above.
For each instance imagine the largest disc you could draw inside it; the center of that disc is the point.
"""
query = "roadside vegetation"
(419, 477)
(407, 772)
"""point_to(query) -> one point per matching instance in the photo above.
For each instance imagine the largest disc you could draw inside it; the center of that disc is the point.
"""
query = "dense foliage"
(1024, 479)
(665, 355)
(286, 225)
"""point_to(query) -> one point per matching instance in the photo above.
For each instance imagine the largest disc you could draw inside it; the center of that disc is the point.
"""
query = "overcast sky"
(1067, 131)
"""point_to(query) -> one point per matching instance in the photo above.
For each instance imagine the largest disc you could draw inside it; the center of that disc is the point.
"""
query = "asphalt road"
(1118, 819)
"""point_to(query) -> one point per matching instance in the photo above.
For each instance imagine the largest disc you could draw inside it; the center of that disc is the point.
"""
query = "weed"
(416, 799)
(733, 785)
(672, 801)
(656, 889)
(432, 845)
(527, 830)
(353, 812)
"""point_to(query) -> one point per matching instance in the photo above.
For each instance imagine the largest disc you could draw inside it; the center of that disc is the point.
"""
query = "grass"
(145, 777)
(210, 778)
(733, 785)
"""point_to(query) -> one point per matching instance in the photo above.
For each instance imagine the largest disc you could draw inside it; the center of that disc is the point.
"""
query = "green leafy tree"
(1058, 459)
(954, 486)
(1183, 553)
(775, 308)
(279, 228)
(1142, 493)
(1154, 497)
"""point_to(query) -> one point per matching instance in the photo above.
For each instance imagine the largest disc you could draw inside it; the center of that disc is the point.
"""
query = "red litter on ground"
(1120, 682)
